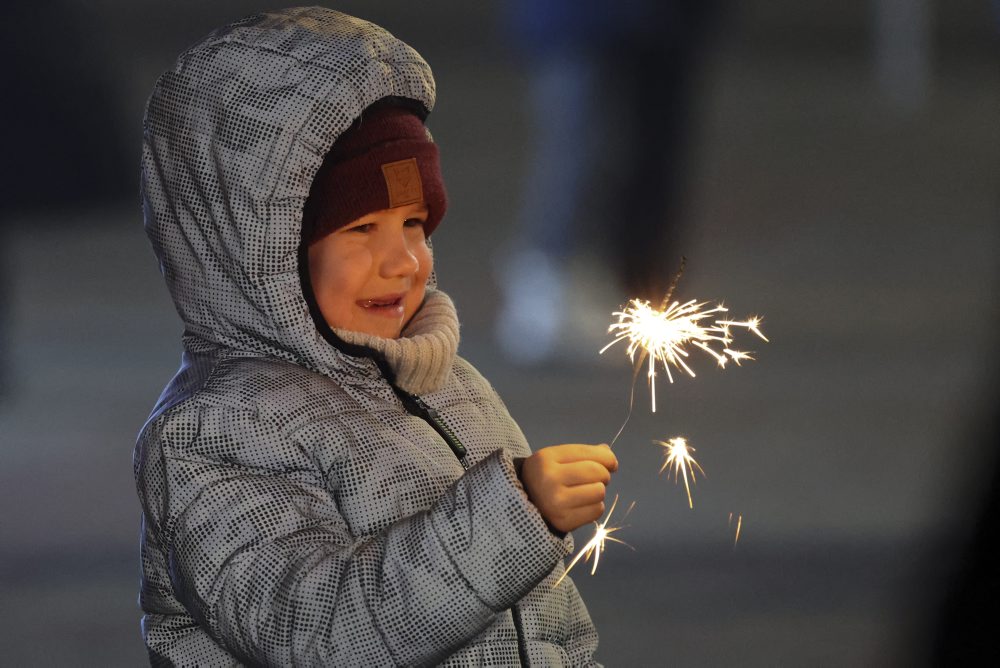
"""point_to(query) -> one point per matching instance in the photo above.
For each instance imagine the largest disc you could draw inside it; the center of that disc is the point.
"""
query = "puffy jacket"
(300, 507)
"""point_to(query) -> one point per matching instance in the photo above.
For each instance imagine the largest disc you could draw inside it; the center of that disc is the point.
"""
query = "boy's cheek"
(336, 313)
(414, 301)
(425, 260)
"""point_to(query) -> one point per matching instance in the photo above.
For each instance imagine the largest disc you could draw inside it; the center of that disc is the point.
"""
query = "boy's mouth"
(388, 305)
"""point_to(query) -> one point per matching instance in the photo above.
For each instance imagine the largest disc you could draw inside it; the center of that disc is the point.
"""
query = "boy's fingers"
(584, 472)
(580, 516)
(582, 496)
(575, 452)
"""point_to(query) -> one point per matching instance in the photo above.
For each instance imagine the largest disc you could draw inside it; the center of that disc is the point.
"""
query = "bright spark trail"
(739, 525)
(680, 462)
(596, 544)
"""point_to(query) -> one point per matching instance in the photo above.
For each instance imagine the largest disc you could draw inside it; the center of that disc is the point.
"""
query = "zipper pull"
(434, 420)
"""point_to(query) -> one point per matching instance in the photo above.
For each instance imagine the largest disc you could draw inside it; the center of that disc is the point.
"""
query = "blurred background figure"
(611, 90)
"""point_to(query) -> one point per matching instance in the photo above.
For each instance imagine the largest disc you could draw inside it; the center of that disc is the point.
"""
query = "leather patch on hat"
(402, 179)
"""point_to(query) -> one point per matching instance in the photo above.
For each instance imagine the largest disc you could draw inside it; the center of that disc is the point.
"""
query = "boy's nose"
(399, 259)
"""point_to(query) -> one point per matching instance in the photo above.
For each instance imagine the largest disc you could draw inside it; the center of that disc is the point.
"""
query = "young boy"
(324, 481)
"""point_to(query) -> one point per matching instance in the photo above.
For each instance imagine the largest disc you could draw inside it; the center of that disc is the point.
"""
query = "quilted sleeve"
(581, 641)
(261, 557)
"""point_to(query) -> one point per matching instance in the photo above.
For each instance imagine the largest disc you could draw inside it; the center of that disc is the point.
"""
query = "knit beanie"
(384, 160)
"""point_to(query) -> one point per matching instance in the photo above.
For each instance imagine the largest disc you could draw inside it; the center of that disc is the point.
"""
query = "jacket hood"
(232, 137)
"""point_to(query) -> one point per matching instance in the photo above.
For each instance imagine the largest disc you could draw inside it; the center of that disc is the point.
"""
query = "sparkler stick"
(679, 460)
(642, 355)
(601, 533)
(595, 545)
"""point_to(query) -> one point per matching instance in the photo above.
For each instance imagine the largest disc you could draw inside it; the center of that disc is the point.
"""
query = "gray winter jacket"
(295, 510)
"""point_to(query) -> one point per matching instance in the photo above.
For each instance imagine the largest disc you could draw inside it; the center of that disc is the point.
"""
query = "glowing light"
(596, 544)
(664, 335)
(679, 460)
(739, 525)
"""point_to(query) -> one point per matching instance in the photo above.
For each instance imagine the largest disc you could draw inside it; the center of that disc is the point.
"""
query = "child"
(324, 482)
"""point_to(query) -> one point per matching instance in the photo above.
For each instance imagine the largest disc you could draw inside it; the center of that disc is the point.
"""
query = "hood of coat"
(232, 137)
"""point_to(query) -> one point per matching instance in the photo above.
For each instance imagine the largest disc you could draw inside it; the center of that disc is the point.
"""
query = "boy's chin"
(386, 328)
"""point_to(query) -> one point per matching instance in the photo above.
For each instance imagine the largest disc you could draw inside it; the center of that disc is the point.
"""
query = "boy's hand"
(567, 482)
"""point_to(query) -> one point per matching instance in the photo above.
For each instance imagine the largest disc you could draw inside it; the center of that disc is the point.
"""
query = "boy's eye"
(414, 222)
(363, 227)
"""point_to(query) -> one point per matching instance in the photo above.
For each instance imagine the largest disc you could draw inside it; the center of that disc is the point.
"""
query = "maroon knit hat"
(386, 159)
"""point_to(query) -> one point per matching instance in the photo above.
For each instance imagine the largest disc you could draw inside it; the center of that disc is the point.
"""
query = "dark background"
(842, 182)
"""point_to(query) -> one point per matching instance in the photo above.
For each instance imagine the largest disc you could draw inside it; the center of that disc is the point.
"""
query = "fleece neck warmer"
(422, 356)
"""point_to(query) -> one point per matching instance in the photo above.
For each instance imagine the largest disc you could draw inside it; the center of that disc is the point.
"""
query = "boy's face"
(369, 276)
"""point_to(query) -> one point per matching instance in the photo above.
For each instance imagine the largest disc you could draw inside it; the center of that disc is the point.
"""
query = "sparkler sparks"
(596, 544)
(679, 460)
(739, 525)
(664, 334)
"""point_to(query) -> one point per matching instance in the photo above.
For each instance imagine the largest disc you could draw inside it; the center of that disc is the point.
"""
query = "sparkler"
(663, 335)
(596, 544)
(679, 460)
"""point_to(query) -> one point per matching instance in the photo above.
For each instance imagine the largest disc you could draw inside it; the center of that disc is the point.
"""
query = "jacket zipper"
(522, 646)
(414, 405)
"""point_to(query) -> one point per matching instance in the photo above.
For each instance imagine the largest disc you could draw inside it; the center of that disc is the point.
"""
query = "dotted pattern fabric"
(293, 512)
